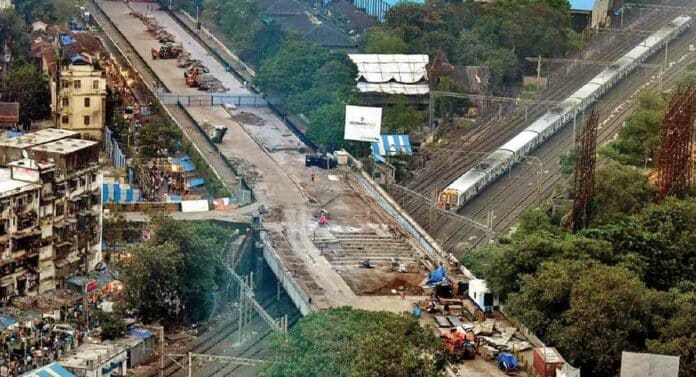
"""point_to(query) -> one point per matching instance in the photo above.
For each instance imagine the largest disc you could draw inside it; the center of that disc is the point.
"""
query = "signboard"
(194, 206)
(363, 123)
(24, 174)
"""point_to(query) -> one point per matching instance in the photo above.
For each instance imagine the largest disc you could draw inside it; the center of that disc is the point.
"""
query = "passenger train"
(494, 165)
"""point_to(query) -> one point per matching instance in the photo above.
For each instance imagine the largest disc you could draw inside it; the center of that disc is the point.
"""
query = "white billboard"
(363, 123)
(24, 174)
(194, 206)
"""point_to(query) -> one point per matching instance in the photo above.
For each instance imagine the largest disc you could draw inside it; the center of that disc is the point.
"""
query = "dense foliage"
(626, 282)
(173, 275)
(351, 342)
(26, 85)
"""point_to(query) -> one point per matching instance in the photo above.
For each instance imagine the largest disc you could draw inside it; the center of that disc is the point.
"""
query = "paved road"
(278, 187)
(215, 161)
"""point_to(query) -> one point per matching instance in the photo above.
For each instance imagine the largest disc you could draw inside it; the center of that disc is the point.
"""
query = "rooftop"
(28, 163)
(65, 146)
(37, 138)
(11, 186)
(80, 359)
(392, 73)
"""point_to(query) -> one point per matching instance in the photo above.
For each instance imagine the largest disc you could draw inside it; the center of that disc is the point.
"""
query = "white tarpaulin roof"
(383, 68)
(394, 88)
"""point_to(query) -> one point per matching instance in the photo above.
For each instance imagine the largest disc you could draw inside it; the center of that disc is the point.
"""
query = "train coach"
(495, 164)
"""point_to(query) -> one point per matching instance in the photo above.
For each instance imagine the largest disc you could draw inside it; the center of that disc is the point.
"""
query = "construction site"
(335, 237)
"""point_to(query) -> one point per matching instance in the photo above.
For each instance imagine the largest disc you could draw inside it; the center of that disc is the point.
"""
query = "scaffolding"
(585, 161)
(675, 156)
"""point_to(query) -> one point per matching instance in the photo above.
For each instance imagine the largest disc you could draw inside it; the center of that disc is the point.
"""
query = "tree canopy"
(173, 274)
(352, 342)
(26, 85)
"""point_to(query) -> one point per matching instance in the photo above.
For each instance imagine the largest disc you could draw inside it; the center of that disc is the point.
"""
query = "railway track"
(225, 331)
(493, 135)
(508, 188)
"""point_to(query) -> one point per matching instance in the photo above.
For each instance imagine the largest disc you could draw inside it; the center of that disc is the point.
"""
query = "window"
(77, 84)
(66, 101)
(95, 84)
(86, 119)
(65, 119)
(66, 84)
(87, 102)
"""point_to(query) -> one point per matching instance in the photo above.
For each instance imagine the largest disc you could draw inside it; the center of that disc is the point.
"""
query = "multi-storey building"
(50, 211)
(80, 98)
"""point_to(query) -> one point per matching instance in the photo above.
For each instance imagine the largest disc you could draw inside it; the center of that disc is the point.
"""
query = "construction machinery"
(461, 343)
(167, 51)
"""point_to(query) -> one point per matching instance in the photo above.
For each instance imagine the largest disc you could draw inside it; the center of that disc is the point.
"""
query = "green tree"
(620, 190)
(26, 85)
(112, 325)
(608, 308)
(173, 275)
(326, 123)
(383, 41)
(292, 69)
(351, 342)
(158, 138)
(639, 138)
(401, 117)
(152, 281)
(13, 32)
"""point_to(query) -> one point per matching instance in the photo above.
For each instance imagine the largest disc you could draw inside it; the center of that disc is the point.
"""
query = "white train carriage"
(524, 142)
(461, 190)
(472, 182)
(547, 124)
(587, 94)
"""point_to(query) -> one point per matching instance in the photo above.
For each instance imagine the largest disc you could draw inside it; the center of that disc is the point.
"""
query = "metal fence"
(113, 150)
(239, 100)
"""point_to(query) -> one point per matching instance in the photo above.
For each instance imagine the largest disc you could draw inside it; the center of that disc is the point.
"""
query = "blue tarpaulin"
(183, 161)
(508, 361)
(584, 5)
(6, 321)
(139, 332)
(174, 199)
(437, 276)
(195, 182)
(50, 370)
(66, 40)
(391, 145)
(11, 134)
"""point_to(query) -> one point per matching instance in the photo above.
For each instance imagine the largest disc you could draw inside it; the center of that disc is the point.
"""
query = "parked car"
(320, 160)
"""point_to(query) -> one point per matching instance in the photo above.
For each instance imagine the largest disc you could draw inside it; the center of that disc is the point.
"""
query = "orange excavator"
(462, 344)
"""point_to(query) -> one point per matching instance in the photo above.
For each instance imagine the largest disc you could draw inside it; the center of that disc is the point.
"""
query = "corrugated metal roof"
(392, 145)
(382, 68)
(584, 5)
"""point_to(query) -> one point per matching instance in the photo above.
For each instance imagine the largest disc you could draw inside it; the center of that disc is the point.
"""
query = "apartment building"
(50, 210)
(80, 98)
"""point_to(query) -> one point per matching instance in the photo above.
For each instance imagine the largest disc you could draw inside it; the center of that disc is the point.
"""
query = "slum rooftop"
(12, 186)
(28, 163)
(66, 146)
(36, 138)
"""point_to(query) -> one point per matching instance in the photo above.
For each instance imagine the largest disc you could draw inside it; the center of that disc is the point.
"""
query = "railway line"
(218, 340)
(493, 134)
(510, 199)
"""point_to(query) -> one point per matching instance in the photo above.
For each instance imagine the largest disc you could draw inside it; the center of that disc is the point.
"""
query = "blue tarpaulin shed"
(66, 40)
(391, 145)
(183, 161)
(6, 321)
(195, 182)
(50, 370)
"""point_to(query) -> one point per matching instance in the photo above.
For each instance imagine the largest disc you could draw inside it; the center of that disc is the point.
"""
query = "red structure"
(585, 161)
(546, 361)
(674, 159)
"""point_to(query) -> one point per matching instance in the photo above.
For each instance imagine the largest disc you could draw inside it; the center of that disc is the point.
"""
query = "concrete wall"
(297, 295)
